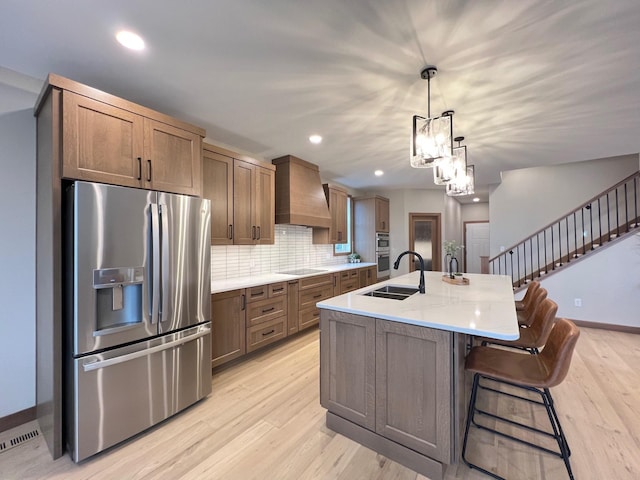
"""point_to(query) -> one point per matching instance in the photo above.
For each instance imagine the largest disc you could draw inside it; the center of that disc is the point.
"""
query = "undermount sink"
(392, 292)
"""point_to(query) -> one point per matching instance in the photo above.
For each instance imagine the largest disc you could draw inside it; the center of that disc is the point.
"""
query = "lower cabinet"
(391, 378)
(246, 319)
(228, 336)
(368, 276)
(266, 314)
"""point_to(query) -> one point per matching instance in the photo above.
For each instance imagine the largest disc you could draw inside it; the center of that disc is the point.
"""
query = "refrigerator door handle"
(95, 365)
(155, 262)
(165, 291)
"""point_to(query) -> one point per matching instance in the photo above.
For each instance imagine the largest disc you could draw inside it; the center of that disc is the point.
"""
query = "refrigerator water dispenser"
(118, 298)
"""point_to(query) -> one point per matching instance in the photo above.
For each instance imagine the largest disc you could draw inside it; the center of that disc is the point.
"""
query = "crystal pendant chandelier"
(432, 138)
(448, 168)
(463, 184)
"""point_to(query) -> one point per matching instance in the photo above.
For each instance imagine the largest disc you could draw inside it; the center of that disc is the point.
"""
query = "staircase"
(592, 226)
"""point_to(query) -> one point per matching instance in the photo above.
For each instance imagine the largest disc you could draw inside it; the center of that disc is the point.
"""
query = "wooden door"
(217, 186)
(244, 200)
(413, 387)
(172, 159)
(265, 205)
(424, 238)
(347, 366)
(228, 331)
(382, 215)
(101, 143)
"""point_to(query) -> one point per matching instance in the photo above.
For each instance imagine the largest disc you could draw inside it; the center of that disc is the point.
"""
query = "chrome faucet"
(396, 264)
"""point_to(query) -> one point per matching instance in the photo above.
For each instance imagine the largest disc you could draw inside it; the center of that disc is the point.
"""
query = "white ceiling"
(531, 82)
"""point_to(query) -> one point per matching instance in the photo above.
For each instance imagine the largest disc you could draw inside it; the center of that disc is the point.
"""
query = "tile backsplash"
(293, 249)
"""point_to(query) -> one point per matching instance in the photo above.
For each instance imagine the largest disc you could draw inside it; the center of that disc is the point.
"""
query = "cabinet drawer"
(309, 298)
(308, 317)
(316, 281)
(276, 289)
(349, 285)
(264, 310)
(349, 274)
(266, 333)
(257, 293)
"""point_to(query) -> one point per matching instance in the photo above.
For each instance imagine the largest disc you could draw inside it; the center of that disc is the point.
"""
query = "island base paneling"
(405, 395)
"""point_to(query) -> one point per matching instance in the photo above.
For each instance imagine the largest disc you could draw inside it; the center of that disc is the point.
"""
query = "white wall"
(17, 242)
(606, 281)
(475, 212)
(608, 284)
(530, 198)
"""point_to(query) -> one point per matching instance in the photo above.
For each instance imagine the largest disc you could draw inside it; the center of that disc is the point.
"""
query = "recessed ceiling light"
(476, 199)
(378, 173)
(316, 139)
(130, 40)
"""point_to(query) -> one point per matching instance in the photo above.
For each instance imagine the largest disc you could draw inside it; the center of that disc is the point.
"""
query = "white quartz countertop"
(218, 286)
(485, 307)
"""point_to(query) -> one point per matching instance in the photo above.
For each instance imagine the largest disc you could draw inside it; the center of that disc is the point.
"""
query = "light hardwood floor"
(263, 421)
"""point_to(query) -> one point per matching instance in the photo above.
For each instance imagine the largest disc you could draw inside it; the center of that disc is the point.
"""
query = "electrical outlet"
(577, 302)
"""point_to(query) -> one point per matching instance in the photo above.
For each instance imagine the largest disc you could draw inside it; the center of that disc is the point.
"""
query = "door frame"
(464, 238)
(436, 262)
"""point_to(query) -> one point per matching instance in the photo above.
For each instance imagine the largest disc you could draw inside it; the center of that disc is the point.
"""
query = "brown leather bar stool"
(535, 373)
(526, 316)
(535, 337)
(524, 303)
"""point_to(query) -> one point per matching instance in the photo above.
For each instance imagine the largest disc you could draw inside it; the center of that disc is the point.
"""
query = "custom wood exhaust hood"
(300, 198)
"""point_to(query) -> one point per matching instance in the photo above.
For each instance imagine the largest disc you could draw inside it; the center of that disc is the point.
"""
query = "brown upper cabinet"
(110, 140)
(242, 194)
(337, 202)
(382, 214)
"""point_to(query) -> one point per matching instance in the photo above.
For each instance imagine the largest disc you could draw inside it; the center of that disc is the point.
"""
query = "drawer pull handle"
(139, 168)
(268, 310)
(317, 296)
(269, 332)
(278, 289)
(261, 292)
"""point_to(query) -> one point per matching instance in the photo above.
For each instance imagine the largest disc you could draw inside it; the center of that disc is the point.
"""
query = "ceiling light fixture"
(463, 184)
(315, 139)
(378, 173)
(476, 199)
(446, 169)
(130, 40)
(432, 138)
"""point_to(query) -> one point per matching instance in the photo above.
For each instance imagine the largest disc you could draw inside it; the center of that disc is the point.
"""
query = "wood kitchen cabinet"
(382, 214)
(266, 314)
(110, 140)
(395, 381)
(349, 280)
(217, 186)
(367, 276)
(311, 291)
(242, 192)
(337, 203)
(228, 328)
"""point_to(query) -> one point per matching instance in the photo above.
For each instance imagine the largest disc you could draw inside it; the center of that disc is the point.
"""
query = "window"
(345, 248)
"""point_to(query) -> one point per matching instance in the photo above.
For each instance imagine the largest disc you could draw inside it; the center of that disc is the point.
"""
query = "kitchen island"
(392, 371)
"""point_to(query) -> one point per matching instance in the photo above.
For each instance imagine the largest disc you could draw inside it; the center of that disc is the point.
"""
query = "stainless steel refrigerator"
(137, 311)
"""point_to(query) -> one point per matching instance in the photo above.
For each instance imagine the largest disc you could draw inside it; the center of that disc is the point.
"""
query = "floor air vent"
(14, 442)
